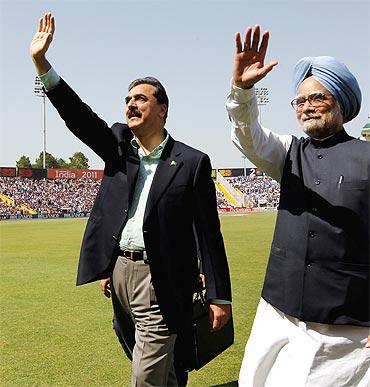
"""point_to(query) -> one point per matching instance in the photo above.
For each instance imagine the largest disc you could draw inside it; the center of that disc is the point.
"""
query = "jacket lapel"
(168, 166)
(133, 165)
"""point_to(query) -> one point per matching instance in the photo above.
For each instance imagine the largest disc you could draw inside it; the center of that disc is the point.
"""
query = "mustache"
(133, 112)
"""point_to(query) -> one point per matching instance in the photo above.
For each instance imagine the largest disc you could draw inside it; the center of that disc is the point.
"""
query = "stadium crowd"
(222, 202)
(47, 196)
(259, 191)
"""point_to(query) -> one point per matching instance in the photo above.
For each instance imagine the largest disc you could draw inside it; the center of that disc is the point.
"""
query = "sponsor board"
(236, 210)
(8, 171)
(94, 174)
(46, 216)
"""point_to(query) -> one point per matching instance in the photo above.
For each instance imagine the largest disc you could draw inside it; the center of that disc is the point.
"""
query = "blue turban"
(335, 77)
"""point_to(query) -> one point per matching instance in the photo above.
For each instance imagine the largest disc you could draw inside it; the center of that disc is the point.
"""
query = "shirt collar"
(155, 153)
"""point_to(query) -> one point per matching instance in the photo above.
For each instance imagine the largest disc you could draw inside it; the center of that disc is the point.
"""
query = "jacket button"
(308, 263)
(312, 234)
(314, 209)
(317, 182)
(114, 237)
(125, 211)
(320, 156)
(145, 231)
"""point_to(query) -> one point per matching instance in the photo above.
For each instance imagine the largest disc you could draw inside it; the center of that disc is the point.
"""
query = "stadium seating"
(20, 196)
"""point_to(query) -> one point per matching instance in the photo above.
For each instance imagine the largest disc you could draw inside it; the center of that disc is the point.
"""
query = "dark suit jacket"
(181, 199)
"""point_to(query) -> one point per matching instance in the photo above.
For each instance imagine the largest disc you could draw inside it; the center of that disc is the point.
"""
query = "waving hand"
(41, 42)
(249, 61)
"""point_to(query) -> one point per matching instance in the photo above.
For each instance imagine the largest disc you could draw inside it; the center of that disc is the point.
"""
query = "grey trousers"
(137, 313)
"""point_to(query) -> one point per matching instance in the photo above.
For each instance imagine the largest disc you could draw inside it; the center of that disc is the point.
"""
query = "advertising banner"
(32, 173)
(97, 174)
(94, 174)
(84, 214)
(8, 171)
(235, 172)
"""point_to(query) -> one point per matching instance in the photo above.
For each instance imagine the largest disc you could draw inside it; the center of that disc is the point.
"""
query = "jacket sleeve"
(82, 121)
(207, 227)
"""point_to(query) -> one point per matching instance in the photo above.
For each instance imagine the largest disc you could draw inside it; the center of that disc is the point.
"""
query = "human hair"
(160, 92)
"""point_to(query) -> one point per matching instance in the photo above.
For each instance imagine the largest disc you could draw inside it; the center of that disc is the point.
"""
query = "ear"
(163, 110)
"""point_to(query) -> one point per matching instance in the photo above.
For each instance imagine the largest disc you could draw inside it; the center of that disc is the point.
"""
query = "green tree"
(50, 161)
(62, 164)
(79, 161)
(23, 162)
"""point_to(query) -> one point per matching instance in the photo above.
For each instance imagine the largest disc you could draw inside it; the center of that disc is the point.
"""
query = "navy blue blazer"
(181, 199)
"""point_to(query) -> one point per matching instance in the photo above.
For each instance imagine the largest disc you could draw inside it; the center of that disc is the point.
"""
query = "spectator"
(49, 196)
(258, 191)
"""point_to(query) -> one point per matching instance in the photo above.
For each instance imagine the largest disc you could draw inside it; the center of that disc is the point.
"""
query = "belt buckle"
(127, 254)
(130, 254)
(145, 257)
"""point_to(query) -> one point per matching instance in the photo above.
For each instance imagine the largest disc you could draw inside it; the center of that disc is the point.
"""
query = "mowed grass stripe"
(55, 334)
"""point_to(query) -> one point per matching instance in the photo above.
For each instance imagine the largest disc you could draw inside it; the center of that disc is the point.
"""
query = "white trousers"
(283, 351)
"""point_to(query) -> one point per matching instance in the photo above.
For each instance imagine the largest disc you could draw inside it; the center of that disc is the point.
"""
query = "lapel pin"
(173, 163)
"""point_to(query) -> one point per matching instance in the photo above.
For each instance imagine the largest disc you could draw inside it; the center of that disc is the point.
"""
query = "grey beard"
(324, 126)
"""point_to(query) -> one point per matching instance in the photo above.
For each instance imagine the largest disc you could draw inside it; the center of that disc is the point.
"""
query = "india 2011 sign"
(94, 174)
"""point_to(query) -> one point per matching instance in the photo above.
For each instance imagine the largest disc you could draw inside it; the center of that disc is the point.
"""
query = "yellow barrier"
(10, 202)
(27, 210)
(229, 198)
(7, 201)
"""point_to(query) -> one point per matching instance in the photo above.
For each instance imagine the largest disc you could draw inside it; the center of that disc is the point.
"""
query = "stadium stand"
(261, 191)
(28, 196)
(21, 196)
(222, 201)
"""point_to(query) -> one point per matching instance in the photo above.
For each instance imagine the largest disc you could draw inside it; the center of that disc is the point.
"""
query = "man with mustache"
(155, 208)
(311, 324)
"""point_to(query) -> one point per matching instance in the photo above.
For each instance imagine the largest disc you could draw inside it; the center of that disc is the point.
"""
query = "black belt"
(133, 255)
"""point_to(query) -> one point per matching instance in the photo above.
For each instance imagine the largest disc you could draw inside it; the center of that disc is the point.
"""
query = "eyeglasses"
(314, 99)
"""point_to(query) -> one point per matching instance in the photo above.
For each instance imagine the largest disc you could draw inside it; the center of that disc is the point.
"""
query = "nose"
(131, 102)
(307, 107)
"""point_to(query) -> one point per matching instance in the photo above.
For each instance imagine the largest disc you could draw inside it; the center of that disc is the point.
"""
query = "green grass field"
(54, 334)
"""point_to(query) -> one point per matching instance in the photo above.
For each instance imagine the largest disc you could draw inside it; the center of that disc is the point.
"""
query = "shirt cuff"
(242, 95)
(219, 302)
(50, 79)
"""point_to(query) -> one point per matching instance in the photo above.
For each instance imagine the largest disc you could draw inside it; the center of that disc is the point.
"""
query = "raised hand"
(249, 61)
(41, 42)
(43, 37)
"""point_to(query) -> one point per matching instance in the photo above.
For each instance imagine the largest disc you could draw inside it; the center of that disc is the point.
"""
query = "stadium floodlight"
(244, 166)
(39, 91)
(262, 95)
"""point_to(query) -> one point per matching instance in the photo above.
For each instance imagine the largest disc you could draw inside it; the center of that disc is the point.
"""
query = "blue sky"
(100, 46)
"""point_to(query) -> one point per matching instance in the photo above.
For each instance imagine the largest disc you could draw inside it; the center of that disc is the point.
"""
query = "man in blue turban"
(311, 325)
(335, 77)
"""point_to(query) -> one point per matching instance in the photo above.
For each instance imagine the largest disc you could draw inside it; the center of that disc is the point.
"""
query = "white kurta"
(283, 351)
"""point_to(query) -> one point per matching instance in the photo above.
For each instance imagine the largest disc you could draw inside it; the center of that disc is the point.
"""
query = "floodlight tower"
(39, 91)
(262, 95)
(244, 166)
